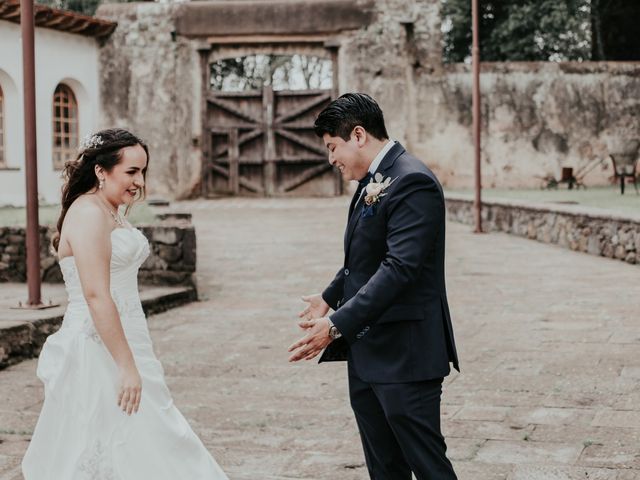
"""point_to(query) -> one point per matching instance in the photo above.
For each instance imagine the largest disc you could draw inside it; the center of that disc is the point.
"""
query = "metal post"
(31, 159)
(477, 205)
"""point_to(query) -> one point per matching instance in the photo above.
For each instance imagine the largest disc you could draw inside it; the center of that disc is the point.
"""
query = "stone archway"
(260, 141)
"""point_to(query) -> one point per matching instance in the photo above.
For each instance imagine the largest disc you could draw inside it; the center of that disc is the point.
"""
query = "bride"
(107, 414)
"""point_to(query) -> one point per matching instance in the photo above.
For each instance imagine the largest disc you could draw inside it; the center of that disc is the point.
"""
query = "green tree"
(614, 26)
(86, 7)
(519, 30)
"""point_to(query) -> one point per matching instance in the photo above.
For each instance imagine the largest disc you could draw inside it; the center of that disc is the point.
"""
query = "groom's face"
(346, 156)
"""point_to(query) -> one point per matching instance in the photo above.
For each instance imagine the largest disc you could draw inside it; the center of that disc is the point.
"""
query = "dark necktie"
(361, 185)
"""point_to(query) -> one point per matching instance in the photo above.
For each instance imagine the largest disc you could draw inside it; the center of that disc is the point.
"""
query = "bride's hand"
(130, 390)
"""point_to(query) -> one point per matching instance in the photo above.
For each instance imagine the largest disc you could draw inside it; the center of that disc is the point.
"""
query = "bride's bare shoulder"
(85, 212)
(84, 205)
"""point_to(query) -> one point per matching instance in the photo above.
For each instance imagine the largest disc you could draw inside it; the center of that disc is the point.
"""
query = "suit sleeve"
(415, 217)
(334, 292)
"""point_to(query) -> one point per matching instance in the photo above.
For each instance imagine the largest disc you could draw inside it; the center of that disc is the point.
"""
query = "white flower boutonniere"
(377, 189)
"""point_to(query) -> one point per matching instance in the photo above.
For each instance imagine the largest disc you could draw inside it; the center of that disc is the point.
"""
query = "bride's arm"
(89, 235)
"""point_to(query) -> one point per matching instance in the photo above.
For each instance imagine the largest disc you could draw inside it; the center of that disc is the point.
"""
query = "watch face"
(333, 332)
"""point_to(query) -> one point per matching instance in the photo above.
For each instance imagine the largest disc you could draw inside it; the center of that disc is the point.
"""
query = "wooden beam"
(262, 39)
(242, 139)
(81, 26)
(58, 21)
(258, 160)
(62, 20)
(234, 166)
(269, 168)
(300, 93)
(304, 177)
(224, 129)
(12, 12)
(248, 184)
(245, 94)
(296, 125)
(301, 141)
(305, 107)
(205, 136)
(231, 108)
(41, 16)
(302, 159)
(8, 7)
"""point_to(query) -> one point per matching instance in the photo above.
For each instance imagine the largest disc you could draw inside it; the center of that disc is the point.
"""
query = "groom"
(391, 321)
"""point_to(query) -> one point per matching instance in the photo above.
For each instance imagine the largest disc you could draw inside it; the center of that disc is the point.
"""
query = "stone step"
(23, 332)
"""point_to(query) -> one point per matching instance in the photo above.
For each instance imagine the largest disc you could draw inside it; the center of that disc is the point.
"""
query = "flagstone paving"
(549, 343)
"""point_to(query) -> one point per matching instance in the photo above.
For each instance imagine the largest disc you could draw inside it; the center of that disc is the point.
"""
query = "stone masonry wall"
(537, 117)
(579, 229)
(387, 59)
(150, 83)
(172, 260)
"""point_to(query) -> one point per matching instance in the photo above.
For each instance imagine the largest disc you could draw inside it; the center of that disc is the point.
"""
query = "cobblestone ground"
(549, 342)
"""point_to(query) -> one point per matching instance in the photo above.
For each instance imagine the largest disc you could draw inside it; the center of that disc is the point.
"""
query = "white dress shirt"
(376, 161)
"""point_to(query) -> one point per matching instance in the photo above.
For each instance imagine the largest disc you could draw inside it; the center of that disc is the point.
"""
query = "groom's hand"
(317, 308)
(316, 339)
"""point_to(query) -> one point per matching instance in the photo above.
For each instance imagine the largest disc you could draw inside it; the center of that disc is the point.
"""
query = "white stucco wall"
(60, 58)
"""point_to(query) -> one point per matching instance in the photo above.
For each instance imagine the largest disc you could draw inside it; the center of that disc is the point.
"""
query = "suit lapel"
(356, 206)
(356, 195)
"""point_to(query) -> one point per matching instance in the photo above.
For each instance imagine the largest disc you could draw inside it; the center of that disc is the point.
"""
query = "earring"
(101, 184)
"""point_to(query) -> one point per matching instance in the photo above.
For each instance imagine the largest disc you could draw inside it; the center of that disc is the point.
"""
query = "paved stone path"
(549, 342)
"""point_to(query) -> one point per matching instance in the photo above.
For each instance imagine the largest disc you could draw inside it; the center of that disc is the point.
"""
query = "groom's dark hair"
(348, 111)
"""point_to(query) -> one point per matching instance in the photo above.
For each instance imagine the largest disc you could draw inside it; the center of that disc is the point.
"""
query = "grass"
(141, 213)
(607, 198)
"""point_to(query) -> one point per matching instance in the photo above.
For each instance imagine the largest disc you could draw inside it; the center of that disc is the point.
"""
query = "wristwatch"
(334, 333)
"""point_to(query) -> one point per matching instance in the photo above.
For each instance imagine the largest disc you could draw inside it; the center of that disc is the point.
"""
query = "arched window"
(65, 126)
(3, 162)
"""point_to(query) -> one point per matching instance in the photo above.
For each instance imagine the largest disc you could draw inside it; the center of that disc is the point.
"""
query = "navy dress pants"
(399, 426)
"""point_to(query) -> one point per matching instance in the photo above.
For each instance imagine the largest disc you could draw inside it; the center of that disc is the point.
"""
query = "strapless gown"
(81, 433)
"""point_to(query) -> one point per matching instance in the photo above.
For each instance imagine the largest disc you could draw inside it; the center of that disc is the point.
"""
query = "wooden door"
(262, 143)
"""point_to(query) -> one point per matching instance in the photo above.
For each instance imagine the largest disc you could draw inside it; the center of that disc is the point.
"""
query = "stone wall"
(150, 83)
(537, 117)
(389, 58)
(172, 260)
(591, 231)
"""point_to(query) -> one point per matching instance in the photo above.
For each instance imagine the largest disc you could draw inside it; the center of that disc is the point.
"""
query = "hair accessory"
(91, 141)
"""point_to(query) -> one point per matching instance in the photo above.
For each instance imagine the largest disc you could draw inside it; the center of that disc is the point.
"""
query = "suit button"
(346, 272)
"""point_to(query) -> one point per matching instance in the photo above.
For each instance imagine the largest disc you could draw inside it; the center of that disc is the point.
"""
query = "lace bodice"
(129, 250)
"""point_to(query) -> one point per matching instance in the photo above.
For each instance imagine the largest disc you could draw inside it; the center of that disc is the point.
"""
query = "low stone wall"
(172, 260)
(577, 228)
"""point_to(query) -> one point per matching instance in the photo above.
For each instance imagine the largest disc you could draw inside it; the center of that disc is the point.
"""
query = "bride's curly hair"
(104, 148)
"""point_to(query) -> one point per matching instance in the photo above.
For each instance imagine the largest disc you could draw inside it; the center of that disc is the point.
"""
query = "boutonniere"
(374, 191)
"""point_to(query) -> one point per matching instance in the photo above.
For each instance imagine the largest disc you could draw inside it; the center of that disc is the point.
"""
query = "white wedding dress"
(82, 434)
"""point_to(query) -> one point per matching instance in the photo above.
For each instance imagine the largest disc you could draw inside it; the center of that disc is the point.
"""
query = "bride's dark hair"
(104, 148)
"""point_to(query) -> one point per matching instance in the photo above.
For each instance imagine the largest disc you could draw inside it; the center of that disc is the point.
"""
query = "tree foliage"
(282, 72)
(86, 7)
(519, 30)
(614, 26)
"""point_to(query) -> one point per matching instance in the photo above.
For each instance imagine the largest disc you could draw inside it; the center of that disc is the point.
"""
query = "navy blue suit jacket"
(389, 298)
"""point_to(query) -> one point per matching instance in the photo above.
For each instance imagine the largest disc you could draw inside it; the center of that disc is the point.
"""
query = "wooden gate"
(262, 143)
